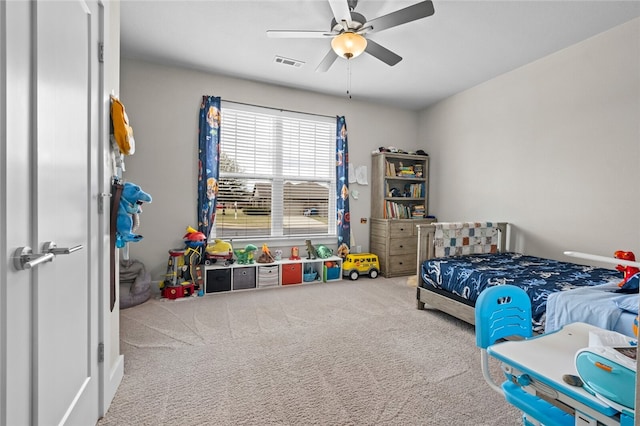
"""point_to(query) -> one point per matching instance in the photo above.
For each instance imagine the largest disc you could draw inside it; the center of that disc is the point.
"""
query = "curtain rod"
(278, 109)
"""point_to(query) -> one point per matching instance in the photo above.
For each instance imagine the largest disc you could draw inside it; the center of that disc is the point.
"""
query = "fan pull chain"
(349, 78)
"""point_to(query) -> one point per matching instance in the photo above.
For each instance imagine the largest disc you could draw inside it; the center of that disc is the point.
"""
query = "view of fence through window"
(277, 173)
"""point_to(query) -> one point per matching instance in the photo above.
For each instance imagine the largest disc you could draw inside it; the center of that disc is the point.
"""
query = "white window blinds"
(277, 173)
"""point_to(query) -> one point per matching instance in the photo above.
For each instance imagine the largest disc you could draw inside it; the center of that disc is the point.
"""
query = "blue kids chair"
(505, 311)
(501, 311)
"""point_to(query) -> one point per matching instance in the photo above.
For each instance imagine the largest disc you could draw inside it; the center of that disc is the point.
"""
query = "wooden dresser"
(395, 242)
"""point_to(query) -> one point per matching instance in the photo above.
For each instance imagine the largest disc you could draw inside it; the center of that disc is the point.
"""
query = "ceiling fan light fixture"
(349, 44)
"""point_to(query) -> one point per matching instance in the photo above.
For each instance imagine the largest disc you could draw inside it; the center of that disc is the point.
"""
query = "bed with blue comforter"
(464, 277)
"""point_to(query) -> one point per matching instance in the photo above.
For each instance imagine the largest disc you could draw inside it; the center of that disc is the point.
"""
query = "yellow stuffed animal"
(122, 132)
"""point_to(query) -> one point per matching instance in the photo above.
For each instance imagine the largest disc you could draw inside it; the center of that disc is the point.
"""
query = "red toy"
(628, 271)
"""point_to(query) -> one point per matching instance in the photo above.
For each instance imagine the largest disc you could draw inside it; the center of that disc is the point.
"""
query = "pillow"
(628, 303)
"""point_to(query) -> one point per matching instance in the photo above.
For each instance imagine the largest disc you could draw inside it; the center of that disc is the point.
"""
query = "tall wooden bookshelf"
(399, 202)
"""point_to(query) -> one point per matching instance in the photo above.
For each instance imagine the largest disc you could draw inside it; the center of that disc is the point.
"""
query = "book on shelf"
(396, 211)
(418, 212)
(391, 169)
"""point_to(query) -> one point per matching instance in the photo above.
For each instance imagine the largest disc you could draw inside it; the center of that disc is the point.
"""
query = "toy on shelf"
(219, 250)
(309, 274)
(295, 253)
(245, 255)
(277, 254)
(311, 250)
(265, 256)
(323, 252)
(331, 270)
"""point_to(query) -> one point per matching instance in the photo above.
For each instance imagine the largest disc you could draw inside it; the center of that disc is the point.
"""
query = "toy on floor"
(174, 284)
(127, 220)
(628, 271)
(184, 273)
(245, 255)
(361, 263)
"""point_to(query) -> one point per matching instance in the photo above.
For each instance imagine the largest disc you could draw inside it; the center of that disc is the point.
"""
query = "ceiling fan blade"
(341, 12)
(382, 53)
(327, 61)
(299, 34)
(402, 16)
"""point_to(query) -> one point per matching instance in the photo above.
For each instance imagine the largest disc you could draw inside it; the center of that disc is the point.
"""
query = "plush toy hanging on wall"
(122, 131)
(127, 220)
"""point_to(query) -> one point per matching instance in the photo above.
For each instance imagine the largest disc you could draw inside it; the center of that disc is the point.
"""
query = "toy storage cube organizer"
(217, 279)
(223, 278)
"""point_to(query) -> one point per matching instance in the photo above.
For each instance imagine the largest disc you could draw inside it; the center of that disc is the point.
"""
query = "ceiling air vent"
(290, 62)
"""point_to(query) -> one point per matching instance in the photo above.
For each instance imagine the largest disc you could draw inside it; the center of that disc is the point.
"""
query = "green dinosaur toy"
(245, 255)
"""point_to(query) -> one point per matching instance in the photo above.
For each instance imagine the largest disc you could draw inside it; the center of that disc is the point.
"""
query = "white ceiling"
(463, 44)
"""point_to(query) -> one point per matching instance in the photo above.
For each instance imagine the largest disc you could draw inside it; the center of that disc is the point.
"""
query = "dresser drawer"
(401, 229)
(402, 265)
(407, 245)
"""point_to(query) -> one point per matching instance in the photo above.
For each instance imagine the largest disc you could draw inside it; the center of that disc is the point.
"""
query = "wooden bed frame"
(438, 299)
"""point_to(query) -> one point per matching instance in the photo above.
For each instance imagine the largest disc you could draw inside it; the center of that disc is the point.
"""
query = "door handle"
(51, 247)
(24, 258)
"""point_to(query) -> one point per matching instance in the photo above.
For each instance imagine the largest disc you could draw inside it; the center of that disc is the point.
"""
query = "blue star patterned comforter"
(466, 276)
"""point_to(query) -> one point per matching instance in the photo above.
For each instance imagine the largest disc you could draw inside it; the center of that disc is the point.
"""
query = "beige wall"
(163, 107)
(552, 147)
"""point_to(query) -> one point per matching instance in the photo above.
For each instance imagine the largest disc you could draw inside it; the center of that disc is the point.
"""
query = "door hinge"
(101, 198)
(100, 52)
(100, 352)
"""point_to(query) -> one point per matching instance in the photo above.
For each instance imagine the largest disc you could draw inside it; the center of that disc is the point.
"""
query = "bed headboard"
(426, 241)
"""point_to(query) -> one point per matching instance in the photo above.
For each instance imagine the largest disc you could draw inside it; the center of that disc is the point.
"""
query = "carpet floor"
(340, 353)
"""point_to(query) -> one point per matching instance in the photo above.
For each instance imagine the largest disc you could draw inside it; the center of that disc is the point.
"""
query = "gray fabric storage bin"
(244, 278)
(268, 276)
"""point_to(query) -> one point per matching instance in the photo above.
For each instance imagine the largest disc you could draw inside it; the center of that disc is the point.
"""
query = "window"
(277, 174)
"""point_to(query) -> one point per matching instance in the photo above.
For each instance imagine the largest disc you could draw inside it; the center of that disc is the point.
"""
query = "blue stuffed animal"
(127, 220)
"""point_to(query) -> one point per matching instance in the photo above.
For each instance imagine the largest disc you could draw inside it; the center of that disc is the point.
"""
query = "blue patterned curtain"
(209, 160)
(342, 186)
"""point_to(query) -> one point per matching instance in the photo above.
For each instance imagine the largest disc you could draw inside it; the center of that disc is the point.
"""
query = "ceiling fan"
(348, 30)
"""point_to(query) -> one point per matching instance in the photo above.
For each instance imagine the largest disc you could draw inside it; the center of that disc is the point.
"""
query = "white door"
(55, 194)
(65, 349)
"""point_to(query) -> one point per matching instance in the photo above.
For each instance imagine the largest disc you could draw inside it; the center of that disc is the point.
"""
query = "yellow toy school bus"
(361, 263)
